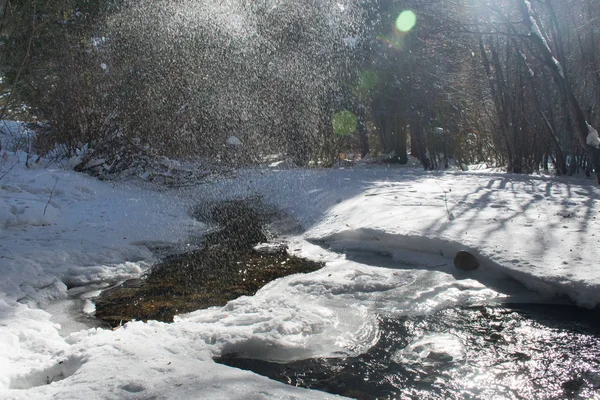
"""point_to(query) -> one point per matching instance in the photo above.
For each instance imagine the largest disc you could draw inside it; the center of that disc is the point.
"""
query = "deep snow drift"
(60, 229)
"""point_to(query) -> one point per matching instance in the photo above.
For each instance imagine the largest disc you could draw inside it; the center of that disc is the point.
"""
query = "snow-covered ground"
(60, 229)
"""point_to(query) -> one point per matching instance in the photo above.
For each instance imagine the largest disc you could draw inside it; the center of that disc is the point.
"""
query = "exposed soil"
(226, 267)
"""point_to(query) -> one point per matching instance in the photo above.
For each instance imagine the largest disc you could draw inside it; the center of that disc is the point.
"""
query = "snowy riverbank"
(60, 228)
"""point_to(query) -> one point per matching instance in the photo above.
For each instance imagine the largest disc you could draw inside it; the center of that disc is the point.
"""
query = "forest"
(299, 199)
(510, 83)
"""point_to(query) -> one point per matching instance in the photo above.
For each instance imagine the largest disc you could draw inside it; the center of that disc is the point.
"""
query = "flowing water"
(228, 265)
(508, 352)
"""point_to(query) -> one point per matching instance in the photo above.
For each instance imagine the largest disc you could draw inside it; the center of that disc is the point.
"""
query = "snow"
(234, 141)
(592, 138)
(559, 67)
(535, 30)
(385, 235)
(524, 58)
(15, 136)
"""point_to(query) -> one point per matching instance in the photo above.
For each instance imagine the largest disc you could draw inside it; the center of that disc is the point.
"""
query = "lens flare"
(406, 21)
(344, 123)
(368, 79)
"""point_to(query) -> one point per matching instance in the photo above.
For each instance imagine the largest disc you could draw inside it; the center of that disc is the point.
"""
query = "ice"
(430, 350)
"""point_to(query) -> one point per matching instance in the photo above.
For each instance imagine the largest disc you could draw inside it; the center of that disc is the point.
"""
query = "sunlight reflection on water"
(531, 352)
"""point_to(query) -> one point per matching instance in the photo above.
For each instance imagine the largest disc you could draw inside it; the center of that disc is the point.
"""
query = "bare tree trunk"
(363, 133)
(383, 128)
(417, 143)
(401, 140)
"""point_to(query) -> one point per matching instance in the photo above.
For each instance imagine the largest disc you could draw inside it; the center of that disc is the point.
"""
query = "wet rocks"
(465, 261)
(229, 264)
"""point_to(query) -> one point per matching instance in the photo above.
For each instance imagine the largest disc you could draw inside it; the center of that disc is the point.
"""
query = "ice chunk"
(432, 350)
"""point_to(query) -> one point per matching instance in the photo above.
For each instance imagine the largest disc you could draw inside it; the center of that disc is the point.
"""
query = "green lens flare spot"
(406, 21)
(344, 123)
(368, 80)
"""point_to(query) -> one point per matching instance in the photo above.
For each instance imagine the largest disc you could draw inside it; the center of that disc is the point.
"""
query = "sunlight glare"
(344, 123)
(406, 21)
(368, 79)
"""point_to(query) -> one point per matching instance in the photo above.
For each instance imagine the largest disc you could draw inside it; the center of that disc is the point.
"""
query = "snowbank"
(539, 230)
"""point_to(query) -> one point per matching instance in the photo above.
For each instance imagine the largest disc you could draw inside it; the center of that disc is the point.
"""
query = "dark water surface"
(508, 352)
(227, 266)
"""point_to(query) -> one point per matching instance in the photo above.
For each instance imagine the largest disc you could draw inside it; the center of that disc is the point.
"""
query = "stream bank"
(236, 259)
